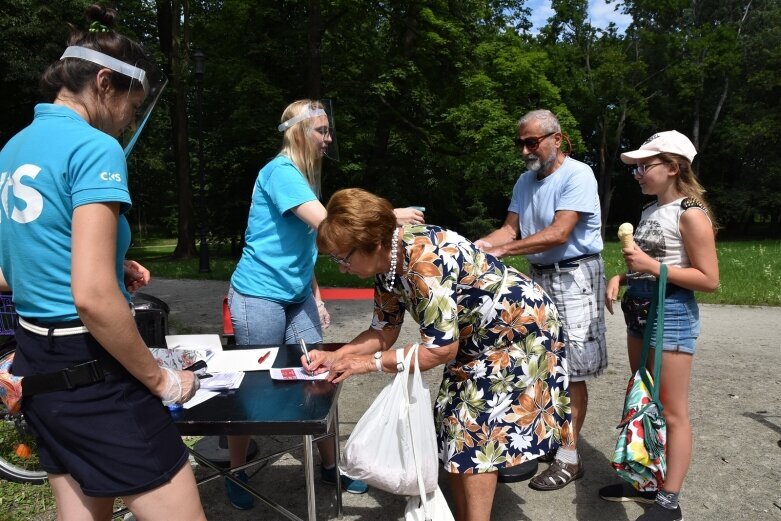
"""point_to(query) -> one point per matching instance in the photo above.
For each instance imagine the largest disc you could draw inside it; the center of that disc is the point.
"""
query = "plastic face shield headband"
(151, 91)
(325, 132)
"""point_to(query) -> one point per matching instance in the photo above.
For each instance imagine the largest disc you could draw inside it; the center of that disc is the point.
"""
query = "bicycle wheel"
(18, 450)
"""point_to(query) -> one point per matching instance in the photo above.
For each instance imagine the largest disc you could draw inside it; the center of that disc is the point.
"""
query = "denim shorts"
(258, 321)
(681, 316)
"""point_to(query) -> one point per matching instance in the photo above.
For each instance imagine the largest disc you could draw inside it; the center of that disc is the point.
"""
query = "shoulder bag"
(639, 457)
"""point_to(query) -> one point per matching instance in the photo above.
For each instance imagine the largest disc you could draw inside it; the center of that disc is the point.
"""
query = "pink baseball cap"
(670, 141)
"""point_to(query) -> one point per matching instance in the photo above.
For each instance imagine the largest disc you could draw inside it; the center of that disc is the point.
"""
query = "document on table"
(222, 381)
(213, 385)
(211, 342)
(295, 373)
(243, 360)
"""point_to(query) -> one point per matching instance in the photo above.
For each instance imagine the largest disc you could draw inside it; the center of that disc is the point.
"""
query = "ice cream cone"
(625, 234)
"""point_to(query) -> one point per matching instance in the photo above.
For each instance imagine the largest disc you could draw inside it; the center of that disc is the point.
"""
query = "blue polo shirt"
(279, 257)
(57, 163)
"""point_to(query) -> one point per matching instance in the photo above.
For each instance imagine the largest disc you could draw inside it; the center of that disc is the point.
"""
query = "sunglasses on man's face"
(531, 143)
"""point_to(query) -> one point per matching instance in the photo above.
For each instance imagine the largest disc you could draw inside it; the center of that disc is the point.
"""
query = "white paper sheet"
(211, 342)
(242, 360)
(201, 395)
(222, 381)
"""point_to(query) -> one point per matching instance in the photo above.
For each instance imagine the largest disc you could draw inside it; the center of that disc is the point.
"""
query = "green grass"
(750, 270)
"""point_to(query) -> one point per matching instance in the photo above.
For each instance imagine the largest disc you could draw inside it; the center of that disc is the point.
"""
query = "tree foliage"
(427, 94)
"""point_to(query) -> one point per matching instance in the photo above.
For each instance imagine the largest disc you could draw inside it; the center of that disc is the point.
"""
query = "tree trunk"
(168, 16)
(314, 48)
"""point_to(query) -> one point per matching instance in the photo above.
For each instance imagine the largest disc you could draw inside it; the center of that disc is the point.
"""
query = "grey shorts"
(579, 294)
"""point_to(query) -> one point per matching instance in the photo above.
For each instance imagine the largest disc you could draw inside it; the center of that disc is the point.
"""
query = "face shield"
(321, 130)
(151, 84)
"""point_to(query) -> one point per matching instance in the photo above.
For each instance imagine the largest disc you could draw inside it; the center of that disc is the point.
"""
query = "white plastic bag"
(379, 450)
(435, 505)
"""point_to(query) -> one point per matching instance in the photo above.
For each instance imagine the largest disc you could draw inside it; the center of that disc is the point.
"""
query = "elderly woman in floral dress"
(503, 398)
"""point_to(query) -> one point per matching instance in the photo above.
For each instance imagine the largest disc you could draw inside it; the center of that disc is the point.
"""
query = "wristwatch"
(378, 360)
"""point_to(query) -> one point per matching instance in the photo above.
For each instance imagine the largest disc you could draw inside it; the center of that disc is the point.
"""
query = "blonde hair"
(686, 182)
(356, 219)
(297, 144)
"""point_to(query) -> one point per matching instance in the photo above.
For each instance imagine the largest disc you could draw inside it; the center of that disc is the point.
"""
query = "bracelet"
(320, 303)
(378, 361)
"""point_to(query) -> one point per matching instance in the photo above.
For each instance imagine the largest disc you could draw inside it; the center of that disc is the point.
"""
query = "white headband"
(91, 55)
(308, 113)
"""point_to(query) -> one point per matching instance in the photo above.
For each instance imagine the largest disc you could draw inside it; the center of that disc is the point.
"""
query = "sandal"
(557, 476)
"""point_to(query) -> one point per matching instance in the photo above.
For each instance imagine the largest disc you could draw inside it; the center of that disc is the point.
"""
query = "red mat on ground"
(347, 293)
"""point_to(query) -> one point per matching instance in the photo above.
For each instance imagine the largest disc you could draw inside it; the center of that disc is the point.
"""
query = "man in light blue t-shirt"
(554, 220)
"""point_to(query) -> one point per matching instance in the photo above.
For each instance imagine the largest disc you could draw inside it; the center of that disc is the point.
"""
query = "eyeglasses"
(345, 261)
(531, 143)
(640, 170)
(323, 131)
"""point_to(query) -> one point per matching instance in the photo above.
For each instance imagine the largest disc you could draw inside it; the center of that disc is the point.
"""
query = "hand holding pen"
(306, 355)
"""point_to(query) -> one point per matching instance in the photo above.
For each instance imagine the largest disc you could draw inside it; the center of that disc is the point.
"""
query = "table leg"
(309, 471)
(338, 460)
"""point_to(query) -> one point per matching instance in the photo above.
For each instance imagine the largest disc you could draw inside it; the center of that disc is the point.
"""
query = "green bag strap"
(656, 310)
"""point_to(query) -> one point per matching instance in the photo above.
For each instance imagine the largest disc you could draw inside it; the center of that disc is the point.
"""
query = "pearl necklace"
(390, 278)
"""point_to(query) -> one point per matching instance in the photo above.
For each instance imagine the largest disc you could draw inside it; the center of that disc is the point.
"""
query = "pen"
(306, 353)
(263, 357)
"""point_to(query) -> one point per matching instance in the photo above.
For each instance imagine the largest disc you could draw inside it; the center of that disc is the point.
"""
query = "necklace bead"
(390, 277)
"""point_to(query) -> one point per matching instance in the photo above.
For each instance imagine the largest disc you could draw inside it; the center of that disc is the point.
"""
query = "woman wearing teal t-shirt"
(274, 297)
(92, 391)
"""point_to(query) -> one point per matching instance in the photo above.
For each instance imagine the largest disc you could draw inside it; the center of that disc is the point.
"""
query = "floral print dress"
(504, 399)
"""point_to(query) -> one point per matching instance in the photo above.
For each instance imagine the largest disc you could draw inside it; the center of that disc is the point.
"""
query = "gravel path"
(735, 410)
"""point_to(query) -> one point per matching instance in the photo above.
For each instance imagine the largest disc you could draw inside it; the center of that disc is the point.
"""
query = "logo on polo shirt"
(111, 176)
(31, 198)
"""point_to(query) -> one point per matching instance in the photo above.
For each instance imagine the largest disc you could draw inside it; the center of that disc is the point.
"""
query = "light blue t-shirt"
(279, 257)
(571, 187)
(57, 163)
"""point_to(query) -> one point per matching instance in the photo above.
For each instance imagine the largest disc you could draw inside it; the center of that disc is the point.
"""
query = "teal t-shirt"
(279, 257)
(57, 163)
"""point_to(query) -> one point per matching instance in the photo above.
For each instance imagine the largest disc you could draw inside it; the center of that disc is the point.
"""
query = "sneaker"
(238, 497)
(353, 486)
(658, 513)
(620, 492)
(557, 476)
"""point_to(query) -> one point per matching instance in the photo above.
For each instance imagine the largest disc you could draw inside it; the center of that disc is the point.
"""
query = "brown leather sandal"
(557, 476)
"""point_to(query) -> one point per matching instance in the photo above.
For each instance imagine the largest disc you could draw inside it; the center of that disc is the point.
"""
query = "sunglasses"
(640, 170)
(345, 261)
(531, 143)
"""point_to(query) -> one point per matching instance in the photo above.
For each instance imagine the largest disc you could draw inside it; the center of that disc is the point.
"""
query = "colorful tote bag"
(639, 457)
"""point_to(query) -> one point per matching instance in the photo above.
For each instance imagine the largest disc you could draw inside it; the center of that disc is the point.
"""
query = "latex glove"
(180, 386)
(325, 317)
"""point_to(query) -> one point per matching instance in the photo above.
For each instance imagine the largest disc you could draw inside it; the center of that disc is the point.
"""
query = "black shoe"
(522, 472)
(658, 513)
(624, 492)
(549, 457)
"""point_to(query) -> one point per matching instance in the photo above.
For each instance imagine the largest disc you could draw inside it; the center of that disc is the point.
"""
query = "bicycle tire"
(14, 431)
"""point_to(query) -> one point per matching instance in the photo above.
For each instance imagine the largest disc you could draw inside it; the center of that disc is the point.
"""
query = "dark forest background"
(426, 96)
